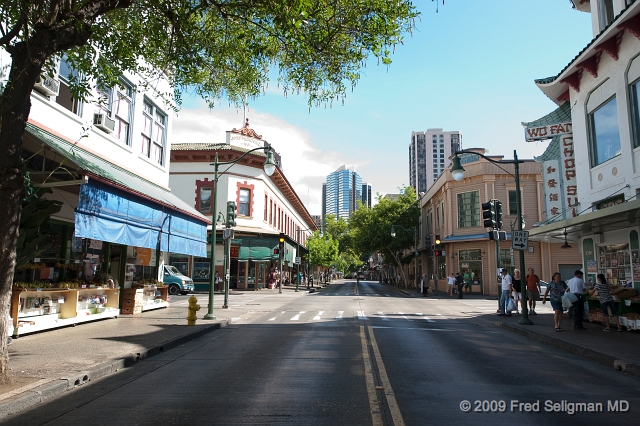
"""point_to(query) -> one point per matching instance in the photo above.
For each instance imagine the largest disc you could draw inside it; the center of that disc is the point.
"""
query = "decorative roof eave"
(608, 41)
(560, 115)
(247, 131)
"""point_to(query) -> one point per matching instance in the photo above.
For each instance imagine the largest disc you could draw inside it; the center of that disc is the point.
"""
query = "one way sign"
(520, 240)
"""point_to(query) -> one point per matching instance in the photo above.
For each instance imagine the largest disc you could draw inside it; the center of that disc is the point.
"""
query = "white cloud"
(305, 165)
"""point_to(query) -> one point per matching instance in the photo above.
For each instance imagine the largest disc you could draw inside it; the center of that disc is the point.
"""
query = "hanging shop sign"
(552, 190)
(539, 133)
(569, 172)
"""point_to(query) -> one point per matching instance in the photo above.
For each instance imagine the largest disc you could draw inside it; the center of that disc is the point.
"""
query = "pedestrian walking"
(451, 281)
(517, 289)
(467, 281)
(505, 296)
(577, 287)
(533, 290)
(555, 290)
(606, 301)
(460, 284)
(424, 285)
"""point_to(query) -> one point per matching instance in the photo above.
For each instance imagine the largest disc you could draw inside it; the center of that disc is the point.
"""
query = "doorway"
(475, 270)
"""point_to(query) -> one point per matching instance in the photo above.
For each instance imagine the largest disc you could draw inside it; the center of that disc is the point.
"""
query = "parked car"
(178, 283)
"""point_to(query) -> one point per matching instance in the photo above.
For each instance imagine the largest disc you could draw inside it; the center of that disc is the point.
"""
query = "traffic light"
(276, 251)
(498, 208)
(437, 239)
(489, 214)
(427, 241)
(437, 253)
(231, 214)
(281, 243)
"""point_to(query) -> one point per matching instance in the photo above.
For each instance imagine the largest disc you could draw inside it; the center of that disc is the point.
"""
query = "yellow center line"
(388, 390)
(376, 419)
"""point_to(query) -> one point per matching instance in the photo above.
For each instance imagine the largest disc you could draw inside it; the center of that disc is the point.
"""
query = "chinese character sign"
(553, 191)
(569, 175)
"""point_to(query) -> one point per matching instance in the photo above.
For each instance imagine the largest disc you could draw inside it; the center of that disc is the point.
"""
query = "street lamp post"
(458, 173)
(269, 168)
(415, 246)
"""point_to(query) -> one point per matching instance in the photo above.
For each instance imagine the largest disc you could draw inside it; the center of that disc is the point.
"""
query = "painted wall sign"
(552, 190)
(242, 141)
(539, 133)
(569, 175)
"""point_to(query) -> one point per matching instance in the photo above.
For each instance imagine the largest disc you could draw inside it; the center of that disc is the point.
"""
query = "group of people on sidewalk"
(557, 289)
(512, 290)
(459, 284)
(574, 290)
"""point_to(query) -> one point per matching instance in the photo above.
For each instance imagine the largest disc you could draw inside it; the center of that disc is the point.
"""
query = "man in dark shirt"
(460, 284)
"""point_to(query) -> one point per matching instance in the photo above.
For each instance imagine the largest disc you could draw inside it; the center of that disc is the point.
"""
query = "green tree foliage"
(323, 250)
(371, 228)
(215, 48)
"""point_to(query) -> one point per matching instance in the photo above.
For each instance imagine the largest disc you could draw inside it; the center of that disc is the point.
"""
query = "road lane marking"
(383, 316)
(317, 317)
(394, 410)
(426, 318)
(413, 328)
(404, 316)
(272, 319)
(362, 316)
(376, 418)
(296, 317)
(339, 316)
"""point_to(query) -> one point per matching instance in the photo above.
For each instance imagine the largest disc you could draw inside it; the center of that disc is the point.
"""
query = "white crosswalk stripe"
(339, 316)
(425, 318)
(362, 316)
(272, 319)
(382, 316)
(317, 317)
(297, 316)
(404, 316)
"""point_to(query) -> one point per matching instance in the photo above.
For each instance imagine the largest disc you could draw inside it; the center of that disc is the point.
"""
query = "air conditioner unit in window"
(47, 86)
(103, 122)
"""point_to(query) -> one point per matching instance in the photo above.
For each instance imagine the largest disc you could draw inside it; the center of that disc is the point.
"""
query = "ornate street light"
(269, 168)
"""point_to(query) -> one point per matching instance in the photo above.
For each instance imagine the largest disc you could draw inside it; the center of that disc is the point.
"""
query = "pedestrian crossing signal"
(276, 251)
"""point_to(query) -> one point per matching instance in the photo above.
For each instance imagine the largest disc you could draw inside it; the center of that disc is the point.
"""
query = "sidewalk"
(612, 349)
(46, 364)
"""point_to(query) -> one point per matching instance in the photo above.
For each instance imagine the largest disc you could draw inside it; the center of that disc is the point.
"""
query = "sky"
(468, 67)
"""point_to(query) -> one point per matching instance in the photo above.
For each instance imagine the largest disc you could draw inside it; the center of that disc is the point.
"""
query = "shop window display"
(619, 264)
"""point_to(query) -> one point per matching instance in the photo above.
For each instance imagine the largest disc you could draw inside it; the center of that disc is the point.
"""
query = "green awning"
(111, 173)
(257, 249)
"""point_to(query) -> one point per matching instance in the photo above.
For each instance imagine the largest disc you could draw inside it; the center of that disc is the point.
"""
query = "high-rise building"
(429, 154)
(366, 195)
(340, 193)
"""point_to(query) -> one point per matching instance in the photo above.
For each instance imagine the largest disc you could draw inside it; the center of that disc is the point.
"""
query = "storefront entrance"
(475, 270)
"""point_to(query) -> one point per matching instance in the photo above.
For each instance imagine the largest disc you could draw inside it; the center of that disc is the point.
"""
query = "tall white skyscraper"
(429, 154)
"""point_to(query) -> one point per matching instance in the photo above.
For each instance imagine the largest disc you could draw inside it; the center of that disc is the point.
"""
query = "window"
(271, 212)
(604, 132)
(204, 192)
(605, 13)
(442, 210)
(266, 205)
(513, 203)
(635, 111)
(122, 112)
(65, 98)
(468, 209)
(243, 207)
(153, 133)
(618, 199)
(437, 217)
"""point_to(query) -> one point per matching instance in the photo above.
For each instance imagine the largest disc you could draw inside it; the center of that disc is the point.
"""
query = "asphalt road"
(352, 355)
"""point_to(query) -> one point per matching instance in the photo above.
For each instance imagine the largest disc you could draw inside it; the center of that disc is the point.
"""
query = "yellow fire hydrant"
(193, 308)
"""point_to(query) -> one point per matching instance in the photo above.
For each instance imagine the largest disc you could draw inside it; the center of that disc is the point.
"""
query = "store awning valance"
(109, 214)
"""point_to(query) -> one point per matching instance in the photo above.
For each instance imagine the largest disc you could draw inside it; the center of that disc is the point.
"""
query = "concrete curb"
(59, 386)
(589, 354)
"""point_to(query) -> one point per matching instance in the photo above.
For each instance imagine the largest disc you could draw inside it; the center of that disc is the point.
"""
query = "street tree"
(217, 49)
(339, 230)
(371, 228)
(323, 250)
